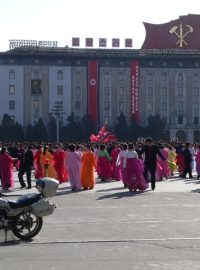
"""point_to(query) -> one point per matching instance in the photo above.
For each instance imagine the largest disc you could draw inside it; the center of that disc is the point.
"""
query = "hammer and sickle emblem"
(181, 34)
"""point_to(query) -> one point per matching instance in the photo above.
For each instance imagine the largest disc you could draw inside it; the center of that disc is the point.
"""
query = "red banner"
(93, 90)
(76, 42)
(135, 89)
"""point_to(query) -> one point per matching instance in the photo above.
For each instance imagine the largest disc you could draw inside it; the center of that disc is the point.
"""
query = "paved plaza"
(111, 228)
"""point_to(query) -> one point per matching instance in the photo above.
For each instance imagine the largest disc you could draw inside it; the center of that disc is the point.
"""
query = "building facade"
(160, 78)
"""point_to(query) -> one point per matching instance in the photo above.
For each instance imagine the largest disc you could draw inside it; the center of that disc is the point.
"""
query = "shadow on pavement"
(120, 195)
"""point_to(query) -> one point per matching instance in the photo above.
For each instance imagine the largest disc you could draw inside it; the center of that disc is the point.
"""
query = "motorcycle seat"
(25, 200)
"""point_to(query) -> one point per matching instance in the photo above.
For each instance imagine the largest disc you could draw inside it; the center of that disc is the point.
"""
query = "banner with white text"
(135, 89)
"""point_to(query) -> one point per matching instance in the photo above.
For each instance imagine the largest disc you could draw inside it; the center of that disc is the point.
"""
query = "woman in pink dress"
(120, 162)
(6, 169)
(134, 175)
(114, 155)
(198, 161)
(38, 168)
(104, 166)
(164, 172)
(73, 163)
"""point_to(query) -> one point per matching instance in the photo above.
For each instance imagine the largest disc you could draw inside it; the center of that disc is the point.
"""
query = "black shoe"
(22, 187)
(28, 187)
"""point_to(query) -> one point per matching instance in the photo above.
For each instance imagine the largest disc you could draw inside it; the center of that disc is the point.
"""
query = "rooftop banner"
(182, 33)
(102, 42)
(75, 42)
(115, 42)
(89, 42)
(128, 42)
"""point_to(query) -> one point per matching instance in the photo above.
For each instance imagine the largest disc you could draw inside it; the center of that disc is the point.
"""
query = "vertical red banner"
(93, 90)
(135, 89)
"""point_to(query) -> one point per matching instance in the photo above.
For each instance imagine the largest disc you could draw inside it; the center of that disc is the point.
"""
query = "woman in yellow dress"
(47, 163)
(172, 159)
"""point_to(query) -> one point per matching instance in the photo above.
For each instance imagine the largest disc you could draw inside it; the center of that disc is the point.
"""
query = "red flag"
(110, 138)
(93, 138)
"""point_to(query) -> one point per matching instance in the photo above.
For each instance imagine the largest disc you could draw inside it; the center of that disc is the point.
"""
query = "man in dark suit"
(150, 161)
(188, 161)
(25, 157)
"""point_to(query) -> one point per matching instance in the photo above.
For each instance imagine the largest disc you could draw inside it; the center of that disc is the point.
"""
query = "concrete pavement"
(111, 228)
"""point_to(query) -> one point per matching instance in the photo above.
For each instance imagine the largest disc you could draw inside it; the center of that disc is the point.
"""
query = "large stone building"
(163, 77)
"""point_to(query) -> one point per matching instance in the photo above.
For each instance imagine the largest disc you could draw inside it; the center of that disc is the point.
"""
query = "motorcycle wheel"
(26, 225)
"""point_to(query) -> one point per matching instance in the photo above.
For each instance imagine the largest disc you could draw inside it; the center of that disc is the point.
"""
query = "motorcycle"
(24, 217)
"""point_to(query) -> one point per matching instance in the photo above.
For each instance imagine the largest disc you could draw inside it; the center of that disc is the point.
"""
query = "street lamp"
(57, 110)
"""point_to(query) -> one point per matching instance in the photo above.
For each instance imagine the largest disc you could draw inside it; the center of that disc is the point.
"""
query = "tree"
(156, 127)
(52, 128)
(87, 126)
(40, 131)
(19, 132)
(30, 133)
(8, 128)
(121, 127)
(73, 128)
(135, 130)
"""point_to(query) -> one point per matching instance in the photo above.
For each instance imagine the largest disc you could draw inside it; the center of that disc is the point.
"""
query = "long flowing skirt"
(134, 175)
(105, 169)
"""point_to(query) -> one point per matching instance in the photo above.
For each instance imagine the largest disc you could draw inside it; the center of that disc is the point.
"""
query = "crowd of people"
(135, 164)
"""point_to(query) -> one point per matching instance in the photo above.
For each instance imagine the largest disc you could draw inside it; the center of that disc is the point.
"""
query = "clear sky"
(61, 20)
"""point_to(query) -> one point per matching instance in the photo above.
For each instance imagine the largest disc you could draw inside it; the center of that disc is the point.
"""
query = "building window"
(164, 91)
(36, 87)
(106, 106)
(36, 75)
(196, 91)
(77, 90)
(196, 78)
(150, 91)
(77, 105)
(106, 76)
(121, 77)
(180, 120)
(107, 120)
(164, 77)
(121, 106)
(78, 97)
(77, 76)
(164, 106)
(150, 77)
(180, 106)
(150, 106)
(121, 91)
(59, 90)
(35, 119)
(36, 107)
(106, 91)
(180, 91)
(60, 75)
(11, 89)
(196, 120)
(11, 75)
(180, 77)
(11, 104)
(196, 106)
